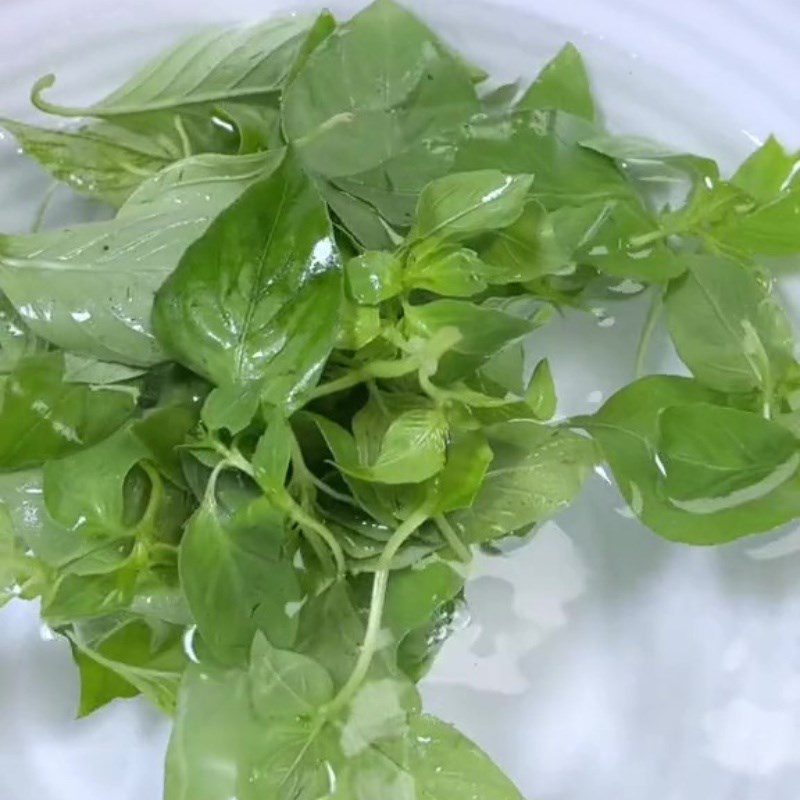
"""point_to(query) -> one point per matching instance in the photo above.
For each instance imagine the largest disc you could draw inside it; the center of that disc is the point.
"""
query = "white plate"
(601, 661)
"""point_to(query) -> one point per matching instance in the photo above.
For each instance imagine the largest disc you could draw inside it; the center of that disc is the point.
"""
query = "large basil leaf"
(372, 88)
(221, 64)
(727, 328)
(525, 486)
(368, 103)
(627, 429)
(90, 288)
(716, 458)
(254, 303)
(238, 579)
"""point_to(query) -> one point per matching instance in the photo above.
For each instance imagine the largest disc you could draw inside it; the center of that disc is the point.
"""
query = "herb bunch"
(253, 427)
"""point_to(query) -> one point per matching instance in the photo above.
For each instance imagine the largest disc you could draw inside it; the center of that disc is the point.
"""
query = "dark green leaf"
(85, 491)
(43, 417)
(255, 302)
(128, 661)
(523, 251)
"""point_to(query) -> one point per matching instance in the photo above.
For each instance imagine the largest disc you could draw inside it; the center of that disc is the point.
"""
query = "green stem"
(653, 317)
(461, 550)
(302, 518)
(380, 584)
(305, 474)
(648, 238)
(286, 503)
(41, 214)
(377, 369)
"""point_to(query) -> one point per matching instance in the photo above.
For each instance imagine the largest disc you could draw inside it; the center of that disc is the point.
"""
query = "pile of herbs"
(253, 427)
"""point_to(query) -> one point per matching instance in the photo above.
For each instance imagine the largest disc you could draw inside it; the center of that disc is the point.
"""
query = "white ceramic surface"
(601, 662)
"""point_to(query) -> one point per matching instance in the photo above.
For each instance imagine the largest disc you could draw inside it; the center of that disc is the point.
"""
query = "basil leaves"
(253, 426)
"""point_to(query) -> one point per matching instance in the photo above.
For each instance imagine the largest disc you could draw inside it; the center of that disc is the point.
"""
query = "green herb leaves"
(252, 427)
(727, 328)
(254, 303)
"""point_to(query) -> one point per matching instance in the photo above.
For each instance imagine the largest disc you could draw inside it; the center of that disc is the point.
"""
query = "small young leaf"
(484, 331)
(464, 205)
(412, 450)
(446, 270)
(373, 277)
(768, 173)
(540, 394)
(358, 326)
(468, 458)
(273, 453)
(523, 251)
